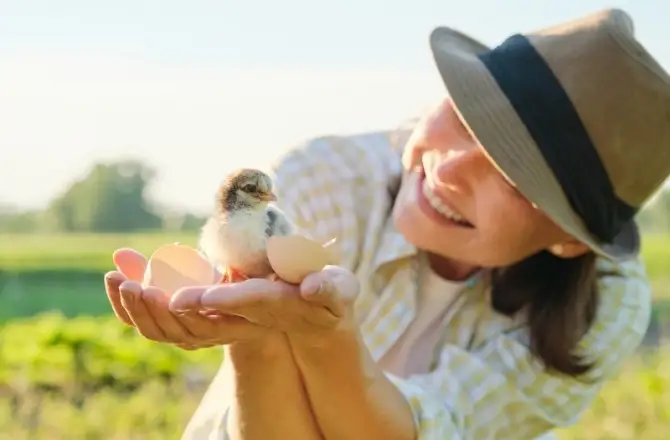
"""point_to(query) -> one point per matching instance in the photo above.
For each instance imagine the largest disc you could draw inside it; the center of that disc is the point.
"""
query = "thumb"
(131, 263)
(334, 287)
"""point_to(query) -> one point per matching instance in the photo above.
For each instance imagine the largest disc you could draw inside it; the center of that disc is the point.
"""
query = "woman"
(490, 297)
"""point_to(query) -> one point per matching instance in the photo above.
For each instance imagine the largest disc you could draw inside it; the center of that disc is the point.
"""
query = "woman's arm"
(268, 400)
(256, 394)
(497, 389)
(351, 397)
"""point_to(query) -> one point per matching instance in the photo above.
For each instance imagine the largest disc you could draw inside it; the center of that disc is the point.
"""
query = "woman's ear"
(569, 249)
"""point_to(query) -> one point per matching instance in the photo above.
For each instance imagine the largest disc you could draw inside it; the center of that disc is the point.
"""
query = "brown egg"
(174, 266)
(294, 257)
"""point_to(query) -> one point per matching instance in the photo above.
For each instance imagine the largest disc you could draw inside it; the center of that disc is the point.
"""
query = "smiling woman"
(489, 295)
(463, 210)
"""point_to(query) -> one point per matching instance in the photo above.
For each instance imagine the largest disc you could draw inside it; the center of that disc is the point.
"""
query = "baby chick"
(235, 236)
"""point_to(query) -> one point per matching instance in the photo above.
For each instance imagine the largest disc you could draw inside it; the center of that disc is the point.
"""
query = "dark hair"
(561, 297)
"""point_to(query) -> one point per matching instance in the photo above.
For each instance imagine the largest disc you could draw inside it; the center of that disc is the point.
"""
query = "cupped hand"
(322, 302)
(147, 309)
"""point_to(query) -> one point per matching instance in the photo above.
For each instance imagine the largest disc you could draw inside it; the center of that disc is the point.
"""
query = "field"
(64, 272)
(77, 373)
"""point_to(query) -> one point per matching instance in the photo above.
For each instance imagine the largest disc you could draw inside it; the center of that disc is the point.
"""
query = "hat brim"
(492, 121)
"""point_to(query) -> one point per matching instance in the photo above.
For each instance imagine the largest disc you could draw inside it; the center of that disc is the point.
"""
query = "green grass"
(73, 292)
(93, 378)
(76, 252)
(64, 272)
(635, 405)
(154, 412)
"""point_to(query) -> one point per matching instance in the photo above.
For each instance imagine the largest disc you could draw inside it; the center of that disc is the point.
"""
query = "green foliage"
(155, 411)
(17, 221)
(84, 377)
(69, 356)
(95, 378)
(635, 405)
(111, 198)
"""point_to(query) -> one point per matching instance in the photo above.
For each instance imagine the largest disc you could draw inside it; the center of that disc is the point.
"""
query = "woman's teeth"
(440, 207)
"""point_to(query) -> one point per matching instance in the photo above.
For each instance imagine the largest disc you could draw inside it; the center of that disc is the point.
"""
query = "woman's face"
(454, 203)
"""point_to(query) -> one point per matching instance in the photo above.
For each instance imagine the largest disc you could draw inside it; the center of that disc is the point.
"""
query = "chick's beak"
(268, 197)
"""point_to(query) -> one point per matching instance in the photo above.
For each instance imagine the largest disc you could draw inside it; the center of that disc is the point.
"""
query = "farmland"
(69, 370)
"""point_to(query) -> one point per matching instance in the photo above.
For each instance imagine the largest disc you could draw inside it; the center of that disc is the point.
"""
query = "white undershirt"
(414, 351)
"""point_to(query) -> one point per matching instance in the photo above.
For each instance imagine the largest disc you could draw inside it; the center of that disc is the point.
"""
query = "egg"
(173, 266)
(294, 257)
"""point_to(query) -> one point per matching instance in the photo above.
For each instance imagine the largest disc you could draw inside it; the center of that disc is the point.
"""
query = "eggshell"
(173, 266)
(294, 257)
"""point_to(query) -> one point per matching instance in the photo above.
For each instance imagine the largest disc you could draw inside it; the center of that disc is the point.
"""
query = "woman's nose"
(461, 168)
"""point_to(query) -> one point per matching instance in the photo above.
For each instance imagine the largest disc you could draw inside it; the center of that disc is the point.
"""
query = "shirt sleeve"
(499, 390)
(338, 187)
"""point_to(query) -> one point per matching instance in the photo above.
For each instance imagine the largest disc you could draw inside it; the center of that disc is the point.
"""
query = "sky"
(198, 88)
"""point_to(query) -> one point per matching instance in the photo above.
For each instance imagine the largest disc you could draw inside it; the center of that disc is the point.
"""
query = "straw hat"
(576, 116)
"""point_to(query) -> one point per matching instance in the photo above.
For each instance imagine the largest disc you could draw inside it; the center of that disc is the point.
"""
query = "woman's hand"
(326, 346)
(148, 311)
(323, 302)
(256, 375)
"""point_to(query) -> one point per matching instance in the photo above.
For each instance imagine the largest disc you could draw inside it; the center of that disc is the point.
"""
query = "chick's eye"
(250, 188)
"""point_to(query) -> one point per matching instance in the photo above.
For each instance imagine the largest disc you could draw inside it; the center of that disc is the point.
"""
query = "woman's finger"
(131, 299)
(334, 288)
(209, 324)
(256, 300)
(219, 330)
(131, 263)
(191, 347)
(265, 303)
(244, 294)
(113, 281)
(156, 303)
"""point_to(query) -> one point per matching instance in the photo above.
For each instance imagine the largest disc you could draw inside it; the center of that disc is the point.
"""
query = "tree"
(14, 220)
(111, 198)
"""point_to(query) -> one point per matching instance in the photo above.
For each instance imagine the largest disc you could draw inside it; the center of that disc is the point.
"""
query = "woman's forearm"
(269, 400)
(350, 395)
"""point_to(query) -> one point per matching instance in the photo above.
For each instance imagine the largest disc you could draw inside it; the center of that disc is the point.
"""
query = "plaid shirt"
(484, 381)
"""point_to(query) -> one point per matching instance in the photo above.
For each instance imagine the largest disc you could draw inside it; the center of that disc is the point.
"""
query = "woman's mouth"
(436, 208)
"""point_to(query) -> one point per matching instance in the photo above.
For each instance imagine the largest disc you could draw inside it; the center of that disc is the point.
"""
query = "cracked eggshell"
(294, 257)
(173, 266)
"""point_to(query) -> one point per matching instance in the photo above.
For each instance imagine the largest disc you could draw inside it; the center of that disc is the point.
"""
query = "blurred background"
(119, 120)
